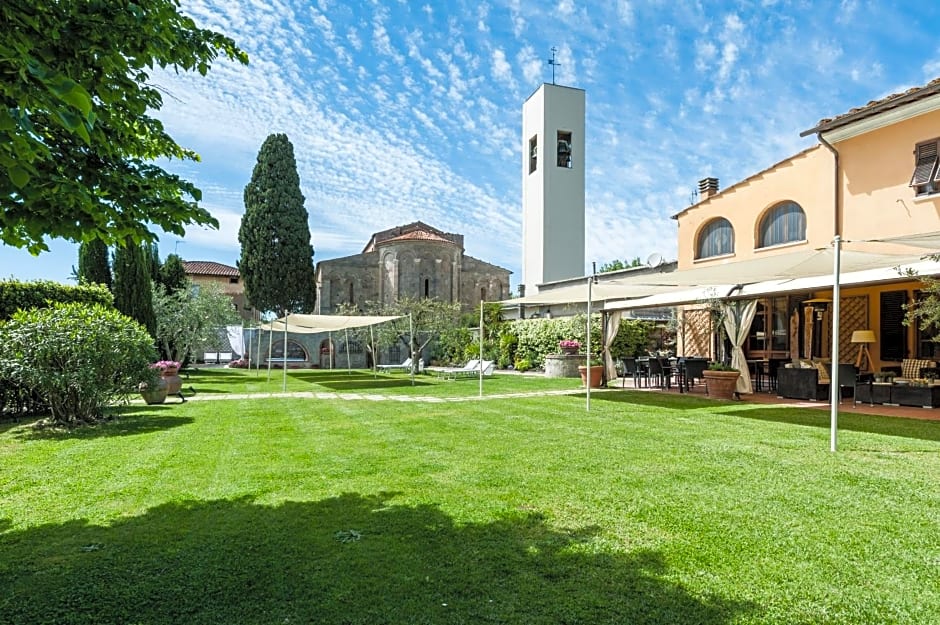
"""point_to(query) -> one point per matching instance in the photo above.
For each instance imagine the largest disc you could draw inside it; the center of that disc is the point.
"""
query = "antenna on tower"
(553, 63)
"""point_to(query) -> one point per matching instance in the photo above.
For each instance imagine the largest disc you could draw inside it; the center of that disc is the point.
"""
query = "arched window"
(715, 239)
(784, 223)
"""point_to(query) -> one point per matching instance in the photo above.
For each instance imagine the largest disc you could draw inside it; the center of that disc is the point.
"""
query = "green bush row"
(18, 295)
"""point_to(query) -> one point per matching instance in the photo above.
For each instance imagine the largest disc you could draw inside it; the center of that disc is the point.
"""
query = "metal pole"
(286, 317)
(270, 344)
(587, 377)
(834, 391)
(348, 361)
(411, 346)
(481, 348)
(372, 346)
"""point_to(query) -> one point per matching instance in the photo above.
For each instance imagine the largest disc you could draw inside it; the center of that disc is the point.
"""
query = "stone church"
(414, 260)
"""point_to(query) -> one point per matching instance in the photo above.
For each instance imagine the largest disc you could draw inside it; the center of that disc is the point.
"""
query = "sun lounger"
(471, 369)
(405, 366)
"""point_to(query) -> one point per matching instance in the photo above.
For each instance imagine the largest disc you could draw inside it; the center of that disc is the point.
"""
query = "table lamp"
(864, 337)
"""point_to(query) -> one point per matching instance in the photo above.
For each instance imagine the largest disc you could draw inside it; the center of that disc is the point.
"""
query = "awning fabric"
(885, 272)
(314, 324)
(682, 286)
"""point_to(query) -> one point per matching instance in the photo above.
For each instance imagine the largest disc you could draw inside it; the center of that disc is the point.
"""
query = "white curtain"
(236, 338)
(737, 321)
(610, 333)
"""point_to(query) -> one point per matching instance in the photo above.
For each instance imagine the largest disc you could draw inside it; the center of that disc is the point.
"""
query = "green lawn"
(648, 509)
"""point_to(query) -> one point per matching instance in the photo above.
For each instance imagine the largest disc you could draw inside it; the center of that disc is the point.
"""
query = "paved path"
(377, 397)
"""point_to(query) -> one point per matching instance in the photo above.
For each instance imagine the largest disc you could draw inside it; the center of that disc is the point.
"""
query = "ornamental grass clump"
(79, 358)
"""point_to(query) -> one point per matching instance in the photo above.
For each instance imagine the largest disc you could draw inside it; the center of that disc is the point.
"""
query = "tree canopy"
(77, 146)
(617, 264)
(276, 257)
(132, 286)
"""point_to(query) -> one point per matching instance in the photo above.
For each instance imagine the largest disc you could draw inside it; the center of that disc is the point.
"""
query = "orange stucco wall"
(806, 179)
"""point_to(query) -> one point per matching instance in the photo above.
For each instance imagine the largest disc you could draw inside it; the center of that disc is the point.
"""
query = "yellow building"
(202, 272)
(872, 183)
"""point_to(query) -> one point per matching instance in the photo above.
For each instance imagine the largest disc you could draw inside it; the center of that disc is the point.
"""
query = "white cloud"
(502, 70)
(625, 13)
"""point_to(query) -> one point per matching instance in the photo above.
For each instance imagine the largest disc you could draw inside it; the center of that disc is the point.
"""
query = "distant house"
(414, 260)
(202, 272)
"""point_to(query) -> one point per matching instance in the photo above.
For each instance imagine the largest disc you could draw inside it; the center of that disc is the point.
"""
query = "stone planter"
(562, 365)
(597, 375)
(721, 384)
(156, 395)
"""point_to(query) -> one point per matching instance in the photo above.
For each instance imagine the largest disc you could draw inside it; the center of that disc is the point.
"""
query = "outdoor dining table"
(669, 367)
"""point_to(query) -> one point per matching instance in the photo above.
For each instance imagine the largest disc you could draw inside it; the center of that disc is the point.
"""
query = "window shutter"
(893, 330)
(925, 169)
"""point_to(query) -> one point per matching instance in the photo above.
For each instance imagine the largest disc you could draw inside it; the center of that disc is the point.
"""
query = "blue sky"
(402, 111)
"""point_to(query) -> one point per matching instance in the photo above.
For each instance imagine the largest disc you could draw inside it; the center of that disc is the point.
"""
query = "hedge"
(18, 295)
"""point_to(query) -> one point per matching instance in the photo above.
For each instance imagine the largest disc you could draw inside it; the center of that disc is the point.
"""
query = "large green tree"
(173, 275)
(93, 264)
(276, 256)
(187, 319)
(77, 146)
(133, 293)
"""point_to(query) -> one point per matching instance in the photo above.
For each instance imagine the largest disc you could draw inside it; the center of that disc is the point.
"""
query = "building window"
(427, 287)
(784, 223)
(926, 177)
(483, 294)
(351, 300)
(564, 149)
(893, 331)
(715, 239)
(533, 153)
(233, 280)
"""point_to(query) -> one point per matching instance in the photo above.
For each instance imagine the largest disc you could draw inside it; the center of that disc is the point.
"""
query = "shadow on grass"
(854, 422)
(814, 417)
(125, 421)
(348, 559)
(356, 380)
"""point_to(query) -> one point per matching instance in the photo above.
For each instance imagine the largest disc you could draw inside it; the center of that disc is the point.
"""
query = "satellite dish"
(654, 260)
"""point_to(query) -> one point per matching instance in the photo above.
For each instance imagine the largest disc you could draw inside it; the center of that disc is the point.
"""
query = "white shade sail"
(314, 324)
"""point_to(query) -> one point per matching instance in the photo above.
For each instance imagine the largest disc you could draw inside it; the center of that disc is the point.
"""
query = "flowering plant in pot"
(568, 346)
(165, 365)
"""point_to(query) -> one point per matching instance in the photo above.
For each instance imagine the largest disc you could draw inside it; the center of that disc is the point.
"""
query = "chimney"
(707, 187)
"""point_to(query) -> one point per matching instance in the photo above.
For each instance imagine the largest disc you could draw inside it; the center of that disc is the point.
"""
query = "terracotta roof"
(418, 235)
(876, 106)
(209, 268)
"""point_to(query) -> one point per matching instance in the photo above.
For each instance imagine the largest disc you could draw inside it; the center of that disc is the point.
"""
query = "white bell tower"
(552, 186)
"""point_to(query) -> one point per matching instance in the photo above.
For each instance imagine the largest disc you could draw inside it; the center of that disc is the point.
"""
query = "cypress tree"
(133, 294)
(93, 266)
(276, 261)
(173, 274)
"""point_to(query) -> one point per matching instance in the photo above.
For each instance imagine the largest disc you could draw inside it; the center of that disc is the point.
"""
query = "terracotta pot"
(569, 350)
(721, 384)
(174, 382)
(597, 375)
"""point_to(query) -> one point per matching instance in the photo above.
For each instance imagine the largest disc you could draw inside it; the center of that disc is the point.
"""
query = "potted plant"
(721, 380)
(568, 346)
(169, 370)
(153, 389)
(596, 369)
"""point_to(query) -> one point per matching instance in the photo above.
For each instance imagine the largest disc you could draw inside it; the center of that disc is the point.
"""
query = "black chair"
(694, 370)
(629, 368)
(848, 378)
(660, 373)
(772, 366)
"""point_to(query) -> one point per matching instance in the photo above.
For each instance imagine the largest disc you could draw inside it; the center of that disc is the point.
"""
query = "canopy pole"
(329, 348)
(284, 362)
(587, 376)
(411, 346)
(270, 345)
(481, 348)
(258, 351)
(348, 361)
(835, 392)
(372, 347)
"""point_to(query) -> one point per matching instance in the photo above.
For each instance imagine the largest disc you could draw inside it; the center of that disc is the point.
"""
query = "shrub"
(18, 295)
(720, 366)
(79, 358)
